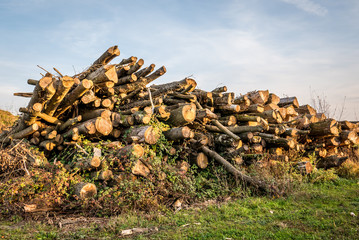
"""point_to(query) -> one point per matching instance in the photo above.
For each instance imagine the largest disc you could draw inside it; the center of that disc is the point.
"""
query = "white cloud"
(308, 6)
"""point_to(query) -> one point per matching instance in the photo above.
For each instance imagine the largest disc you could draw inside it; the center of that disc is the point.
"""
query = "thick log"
(331, 162)
(71, 97)
(200, 159)
(25, 132)
(91, 114)
(226, 141)
(180, 133)
(107, 56)
(63, 86)
(102, 175)
(127, 79)
(104, 74)
(270, 106)
(273, 99)
(352, 136)
(220, 89)
(119, 119)
(88, 163)
(258, 97)
(306, 109)
(288, 101)
(327, 127)
(246, 118)
(144, 134)
(141, 117)
(85, 190)
(135, 151)
(225, 129)
(228, 109)
(255, 108)
(183, 115)
(140, 169)
(304, 167)
(161, 113)
(88, 97)
(49, 145)
(205, 115)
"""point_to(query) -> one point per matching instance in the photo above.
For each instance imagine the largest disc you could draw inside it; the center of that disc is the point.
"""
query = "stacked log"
(116, 102)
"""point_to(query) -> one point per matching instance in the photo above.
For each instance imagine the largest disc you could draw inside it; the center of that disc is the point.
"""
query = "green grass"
(319, 211)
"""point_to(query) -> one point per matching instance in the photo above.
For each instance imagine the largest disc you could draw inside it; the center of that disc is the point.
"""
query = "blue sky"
(297, 48)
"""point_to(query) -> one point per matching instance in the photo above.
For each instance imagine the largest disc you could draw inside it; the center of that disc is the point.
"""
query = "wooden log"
(161, 113)
(107, 56)
(91, 114)
(122, 71)
(230, 168)
(72, 133)
(183, 115)
(205, 115)
(200, 159)
(49, 145)
(225, 141)
(143, 134)
(24, 94)
(255, 108)
(280, 142)
(258, 97)
(88, 97)
(70, 122)
(119, 119)
(291, 111)
(102, 175)
(246, 136)
(129, 60)
(306, 109)
(144, 72)
(104, 74)
(324, 128)
(304, 167)
(63, 86)
(179, 133)
(135, 67)
(142, 103)
(172, 86)
(273, 99)
(331, 162)
(135, 151)
(72, 96)
(220, 89)
(202, 139)
(25, 132)
(88, 163)
(140, 169)
(288, 101)
(85, 190)
(236, 129)
(156, 74)
(127, 79)
(270, 106)
(246, 118)
(352, 136)
(228, 109)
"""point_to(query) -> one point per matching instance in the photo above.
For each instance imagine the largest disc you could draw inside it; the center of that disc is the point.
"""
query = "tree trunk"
(180, 133)
(85, 190)
(143, 134)
(183, 115)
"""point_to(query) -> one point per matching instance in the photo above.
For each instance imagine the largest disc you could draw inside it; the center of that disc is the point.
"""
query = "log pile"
(118, 102)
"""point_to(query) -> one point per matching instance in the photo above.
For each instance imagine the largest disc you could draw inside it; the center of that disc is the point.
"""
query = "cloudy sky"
(303, 48)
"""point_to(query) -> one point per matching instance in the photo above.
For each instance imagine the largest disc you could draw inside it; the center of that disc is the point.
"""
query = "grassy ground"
(319, 211)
